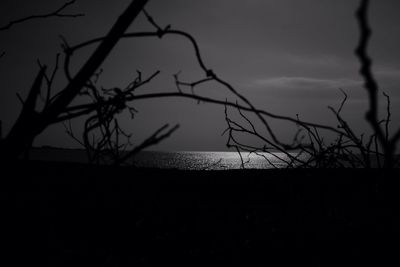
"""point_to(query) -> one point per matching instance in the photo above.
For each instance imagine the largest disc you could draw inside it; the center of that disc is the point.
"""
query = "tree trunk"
(30, 124)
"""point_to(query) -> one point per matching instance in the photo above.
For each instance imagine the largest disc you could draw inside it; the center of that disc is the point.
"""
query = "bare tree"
(30, 122)
(106, 104)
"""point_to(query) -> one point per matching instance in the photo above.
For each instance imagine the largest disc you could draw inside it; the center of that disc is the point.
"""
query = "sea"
(183, 160)
(209, 160)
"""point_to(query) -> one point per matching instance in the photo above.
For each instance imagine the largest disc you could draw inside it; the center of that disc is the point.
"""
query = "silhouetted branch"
(343, 101)
(30, 102)
(49, 82)
(20, 98)
(210, 75)
(369, 81)
(191, 85)
(234, 127)
(20, 139)
(70, 132)
(87, 108)
(159, 135)
(22, 133)
(102, 133)
(56, 13)
(117, 98)
(371, 85)
(350, 134)
(208, 72)
(80, 79)
(341, 151)
(388, 116)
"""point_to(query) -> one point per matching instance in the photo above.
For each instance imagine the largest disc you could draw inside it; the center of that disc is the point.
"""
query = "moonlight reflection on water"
(195, 160)
(183, 160)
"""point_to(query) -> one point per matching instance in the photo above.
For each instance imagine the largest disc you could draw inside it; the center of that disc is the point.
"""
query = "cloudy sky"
(287, 56)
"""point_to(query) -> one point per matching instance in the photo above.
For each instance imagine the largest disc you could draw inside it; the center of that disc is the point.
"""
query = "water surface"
(184, 160)
(201, 160)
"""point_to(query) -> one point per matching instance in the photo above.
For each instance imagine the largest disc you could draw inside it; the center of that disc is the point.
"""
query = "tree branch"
(159, 135)
(84, 74)
(370, 83)
(56, 13)
(87, 108)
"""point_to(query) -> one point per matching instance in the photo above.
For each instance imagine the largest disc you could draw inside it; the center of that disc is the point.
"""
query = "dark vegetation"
(77, 214)
(65, 214)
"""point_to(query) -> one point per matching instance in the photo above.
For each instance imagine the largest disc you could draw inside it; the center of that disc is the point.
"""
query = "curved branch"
(370, 83)
(159, 135)
(87, 108)
(209, 73)
(56, 13)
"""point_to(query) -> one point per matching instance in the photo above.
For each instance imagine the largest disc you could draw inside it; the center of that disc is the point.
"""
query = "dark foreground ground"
(75, 215)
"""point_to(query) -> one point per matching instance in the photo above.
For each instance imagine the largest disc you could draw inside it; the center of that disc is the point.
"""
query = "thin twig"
(388, 116)
(56, 13)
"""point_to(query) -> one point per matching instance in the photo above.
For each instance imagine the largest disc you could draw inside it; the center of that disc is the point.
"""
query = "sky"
(287, 57)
